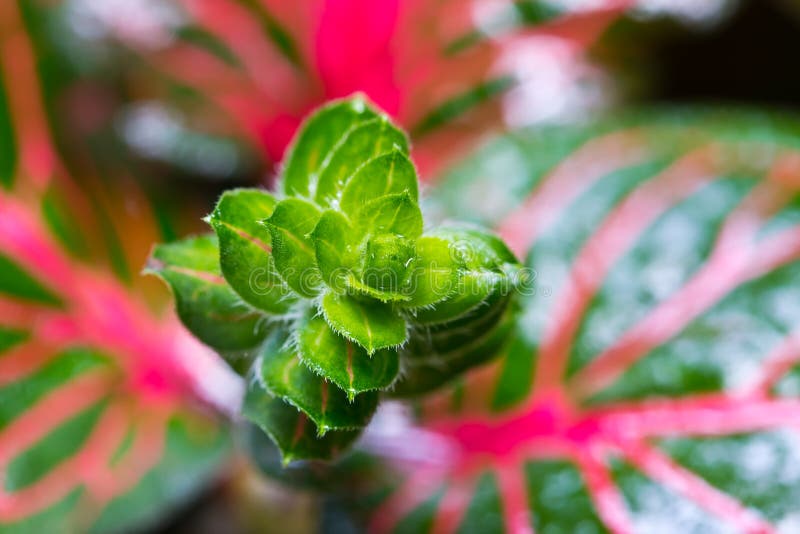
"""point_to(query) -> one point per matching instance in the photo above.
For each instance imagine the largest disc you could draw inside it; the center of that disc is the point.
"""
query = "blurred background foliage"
(157, 106)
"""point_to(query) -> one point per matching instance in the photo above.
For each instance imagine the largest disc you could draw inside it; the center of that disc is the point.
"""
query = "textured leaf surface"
(95, 429)
(373, 325)
(246, 249)
(291, 225)
(343, 362)
(385, 175)
(285, 376)
(355, 149)
(290, 429)
(646, 383)
(334, 249)
(391, 214)
(434, 274)
(207, 306)
(387, 265)
(318, 149)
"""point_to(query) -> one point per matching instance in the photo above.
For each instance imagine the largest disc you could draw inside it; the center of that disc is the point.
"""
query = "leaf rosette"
(332, 291)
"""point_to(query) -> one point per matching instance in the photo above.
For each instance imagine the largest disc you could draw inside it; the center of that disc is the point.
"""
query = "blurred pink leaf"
(106, 419)
(652, 383)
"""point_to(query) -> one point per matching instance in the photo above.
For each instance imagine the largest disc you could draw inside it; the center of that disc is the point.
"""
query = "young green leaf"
(246, 249)
(434, 275)
(335, 253)
(343, 362)
(431, 363)
(291, 430)
(318, 137)
(391, 214)
(384, 175)
(292, 249)
(373, 325)
(476, 247)
(285, 376)
(357, 146)
(386, 263)
(205, 303)
(356, 286)
(472, 290)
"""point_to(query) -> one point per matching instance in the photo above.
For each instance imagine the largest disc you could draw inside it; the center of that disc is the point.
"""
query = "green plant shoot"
(332, 292)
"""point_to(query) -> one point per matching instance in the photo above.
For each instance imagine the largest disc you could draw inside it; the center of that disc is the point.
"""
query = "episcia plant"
(331, 293)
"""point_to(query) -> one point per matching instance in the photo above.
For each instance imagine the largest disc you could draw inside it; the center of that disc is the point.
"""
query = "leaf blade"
(205, 303)
(344, 363)
(246, 249)
(292, 250)
(285, 376)
(373, 325)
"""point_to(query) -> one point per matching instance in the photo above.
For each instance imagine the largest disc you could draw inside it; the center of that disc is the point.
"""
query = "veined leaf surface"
(285, 375)
(655, 362)
(344, 362)
(95, 421)
(246, 249)
(206, 304)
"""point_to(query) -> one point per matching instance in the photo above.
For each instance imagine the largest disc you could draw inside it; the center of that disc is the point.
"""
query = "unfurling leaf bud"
(330, 291)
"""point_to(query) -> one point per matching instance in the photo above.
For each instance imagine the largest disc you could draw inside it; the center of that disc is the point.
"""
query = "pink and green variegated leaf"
(96, 430)
(650, 382)
(101, 422)
(255, 68)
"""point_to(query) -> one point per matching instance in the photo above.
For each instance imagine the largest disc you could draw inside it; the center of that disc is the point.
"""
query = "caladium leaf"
(205, 303)
(290, 429)
(292, 248)
(285, 376)
(384, 175)
(650, 368)
(343, 362)
(105, 424)
(373, 325)
(97, 429)
(246, 249)
(16, 282)
(391, 214)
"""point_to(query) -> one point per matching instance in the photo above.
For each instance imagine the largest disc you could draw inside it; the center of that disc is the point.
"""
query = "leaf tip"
(358, 102)
(153, 264)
